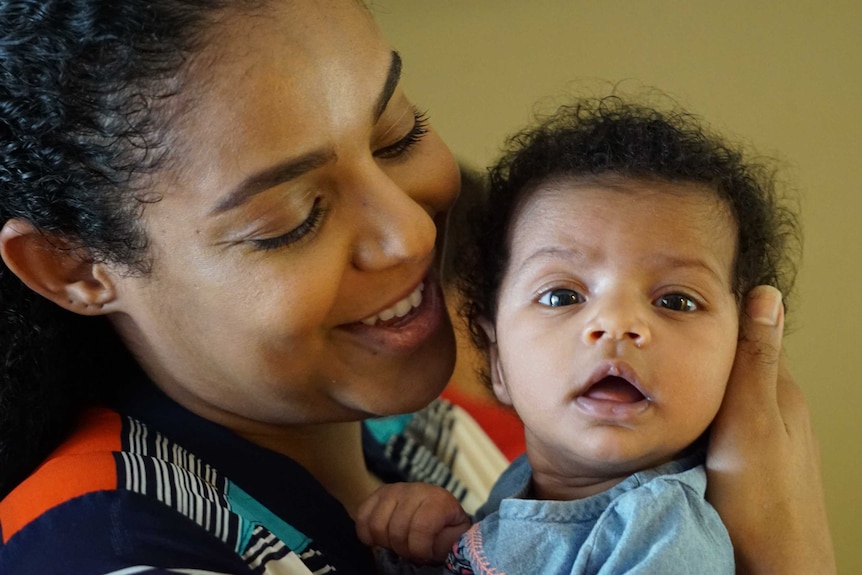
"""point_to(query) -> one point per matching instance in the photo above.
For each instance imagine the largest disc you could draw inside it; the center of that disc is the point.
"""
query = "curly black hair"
(610, 138)
(86, 93)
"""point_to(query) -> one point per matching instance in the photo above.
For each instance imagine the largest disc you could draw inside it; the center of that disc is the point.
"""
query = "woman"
(228, 211)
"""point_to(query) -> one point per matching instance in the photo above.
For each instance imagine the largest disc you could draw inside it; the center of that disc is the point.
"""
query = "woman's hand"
(763, 460)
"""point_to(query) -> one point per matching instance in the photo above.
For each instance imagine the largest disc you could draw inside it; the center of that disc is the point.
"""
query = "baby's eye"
(676, 302)
(560, 297)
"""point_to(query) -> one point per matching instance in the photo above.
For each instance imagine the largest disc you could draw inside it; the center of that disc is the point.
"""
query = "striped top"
(148, 487)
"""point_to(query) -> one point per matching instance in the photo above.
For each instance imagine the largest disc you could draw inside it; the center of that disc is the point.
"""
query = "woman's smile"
(397, 311)
(408, 323)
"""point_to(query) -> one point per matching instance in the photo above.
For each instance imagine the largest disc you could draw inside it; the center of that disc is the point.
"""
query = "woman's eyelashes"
(413, 137)
(317, 212)
(300, 232)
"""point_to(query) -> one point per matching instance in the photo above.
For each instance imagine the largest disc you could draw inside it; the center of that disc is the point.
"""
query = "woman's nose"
(617, 323)
(394, 227)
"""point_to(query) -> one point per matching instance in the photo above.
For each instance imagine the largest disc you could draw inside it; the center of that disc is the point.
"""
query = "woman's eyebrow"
(392, 79)
(271, 177)
(296, 167)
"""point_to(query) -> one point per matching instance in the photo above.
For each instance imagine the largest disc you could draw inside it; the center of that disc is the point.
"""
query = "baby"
(603, 281)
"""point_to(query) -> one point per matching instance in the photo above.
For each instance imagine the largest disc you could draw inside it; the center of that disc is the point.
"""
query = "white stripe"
(264, 557)
(163, 492)
(146, 569)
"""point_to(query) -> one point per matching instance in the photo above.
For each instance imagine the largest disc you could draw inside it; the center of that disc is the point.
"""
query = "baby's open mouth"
(614, 388)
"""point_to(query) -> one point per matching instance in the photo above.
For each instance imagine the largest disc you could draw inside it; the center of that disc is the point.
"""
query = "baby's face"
(616, 326)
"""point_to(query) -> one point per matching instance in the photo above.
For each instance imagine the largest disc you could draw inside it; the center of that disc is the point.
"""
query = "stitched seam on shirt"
(475, 551)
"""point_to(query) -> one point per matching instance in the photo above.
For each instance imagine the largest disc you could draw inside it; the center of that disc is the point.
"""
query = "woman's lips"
(407, 324)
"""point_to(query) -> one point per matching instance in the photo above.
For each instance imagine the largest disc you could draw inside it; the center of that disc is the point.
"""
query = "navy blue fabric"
(107, 531)
(276, 481)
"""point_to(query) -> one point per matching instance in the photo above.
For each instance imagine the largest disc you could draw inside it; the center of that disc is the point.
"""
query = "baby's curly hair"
(608, 138)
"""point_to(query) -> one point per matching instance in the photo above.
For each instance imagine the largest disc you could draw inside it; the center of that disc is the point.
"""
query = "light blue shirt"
(654, 522)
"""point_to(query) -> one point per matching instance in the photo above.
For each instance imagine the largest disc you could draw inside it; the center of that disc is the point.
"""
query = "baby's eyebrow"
(685, 262)
(656, 261)
(547, 253)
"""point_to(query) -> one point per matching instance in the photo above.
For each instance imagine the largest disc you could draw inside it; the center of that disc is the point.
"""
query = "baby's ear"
(57, 269)
(498, 381)
(489, 329)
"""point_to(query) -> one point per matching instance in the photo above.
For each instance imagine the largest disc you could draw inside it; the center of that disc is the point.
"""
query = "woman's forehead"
(285, 34)
(276, 81)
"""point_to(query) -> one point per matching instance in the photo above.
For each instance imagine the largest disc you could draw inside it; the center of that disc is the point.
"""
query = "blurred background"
(784, 77)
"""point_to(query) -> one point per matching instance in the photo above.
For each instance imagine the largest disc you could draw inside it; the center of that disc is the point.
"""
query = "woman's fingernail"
(764, 305)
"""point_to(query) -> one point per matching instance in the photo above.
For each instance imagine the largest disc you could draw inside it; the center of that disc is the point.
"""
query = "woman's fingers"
(763, 461)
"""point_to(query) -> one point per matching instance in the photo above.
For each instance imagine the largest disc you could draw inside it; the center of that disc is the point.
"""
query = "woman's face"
(298, 217)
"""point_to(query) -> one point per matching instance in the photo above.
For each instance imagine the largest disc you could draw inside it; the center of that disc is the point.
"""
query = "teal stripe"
(383, 428)
(253, 514)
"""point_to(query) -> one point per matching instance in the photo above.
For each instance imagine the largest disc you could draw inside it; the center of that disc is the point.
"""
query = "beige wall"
(786, 76)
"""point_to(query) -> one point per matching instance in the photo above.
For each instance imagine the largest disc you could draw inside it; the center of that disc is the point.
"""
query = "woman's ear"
(56, 269)
(498, 381)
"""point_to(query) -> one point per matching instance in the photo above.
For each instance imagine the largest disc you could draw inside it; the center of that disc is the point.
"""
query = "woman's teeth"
(400, 309)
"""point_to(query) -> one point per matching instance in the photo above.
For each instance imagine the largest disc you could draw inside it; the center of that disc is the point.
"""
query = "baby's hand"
(418, 521)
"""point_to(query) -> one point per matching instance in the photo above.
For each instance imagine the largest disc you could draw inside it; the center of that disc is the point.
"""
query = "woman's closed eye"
(560, 297)
(300, 232)
(413, 137)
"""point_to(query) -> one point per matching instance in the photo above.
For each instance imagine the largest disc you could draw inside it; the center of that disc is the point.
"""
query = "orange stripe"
(82, 464)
